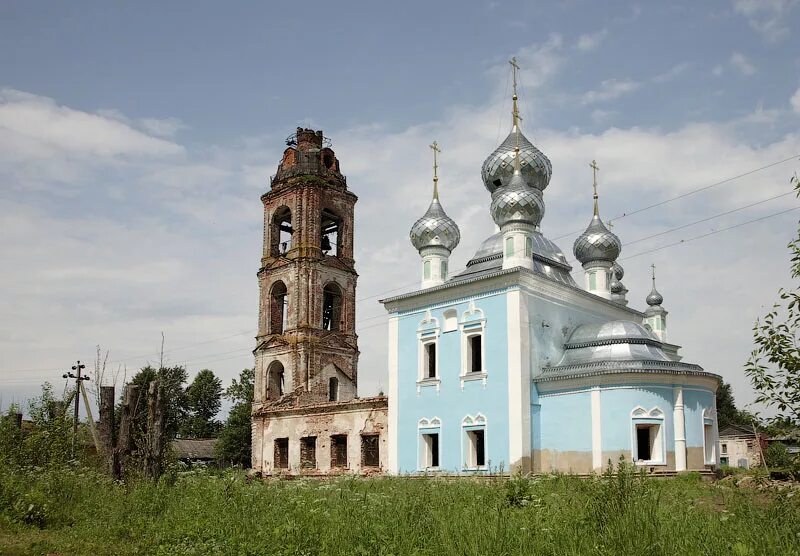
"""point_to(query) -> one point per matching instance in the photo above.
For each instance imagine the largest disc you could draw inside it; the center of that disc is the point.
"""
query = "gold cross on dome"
(436, 150)
(514, 69)
(595, 168)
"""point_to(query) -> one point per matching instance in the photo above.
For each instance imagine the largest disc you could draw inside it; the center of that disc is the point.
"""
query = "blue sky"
(135, 141)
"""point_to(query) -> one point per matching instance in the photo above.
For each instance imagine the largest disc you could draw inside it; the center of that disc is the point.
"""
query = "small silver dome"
(615, 286)
(618, 271)
(611, 331)
(435, 228)
(498, 168)
(517, 202)
(654, 298)
(597, 243)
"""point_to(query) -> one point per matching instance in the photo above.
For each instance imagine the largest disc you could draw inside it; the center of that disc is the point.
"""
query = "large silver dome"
(597, 243)
(517, 202)
(498, 168)
(435, 228)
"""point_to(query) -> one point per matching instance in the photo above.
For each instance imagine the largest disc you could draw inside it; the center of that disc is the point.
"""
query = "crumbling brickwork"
(306, 349)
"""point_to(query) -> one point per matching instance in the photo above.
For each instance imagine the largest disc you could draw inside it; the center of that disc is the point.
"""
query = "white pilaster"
(393, 393)
(597, 438)
(680, 429)
(519, 384)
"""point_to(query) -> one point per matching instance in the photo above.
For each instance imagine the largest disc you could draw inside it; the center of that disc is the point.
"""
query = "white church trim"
(469, 451)
(473, 323)
(653, 422)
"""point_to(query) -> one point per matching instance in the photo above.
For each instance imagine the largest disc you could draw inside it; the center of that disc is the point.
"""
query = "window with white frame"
(708, 438)
(475, 353)
(593, 280)
(474, 442)
(429, 432)
(428, 360)
(528, 247)
(426, 270)
(443, 270)
(648, 436)
(473, 343)
(509, 246)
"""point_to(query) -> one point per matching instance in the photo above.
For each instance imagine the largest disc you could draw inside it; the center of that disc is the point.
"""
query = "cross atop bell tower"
(306, 348)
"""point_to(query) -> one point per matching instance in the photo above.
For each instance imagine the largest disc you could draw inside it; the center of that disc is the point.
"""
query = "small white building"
(740, 446)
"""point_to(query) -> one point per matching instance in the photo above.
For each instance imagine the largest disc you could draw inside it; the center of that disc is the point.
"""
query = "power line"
(711, 233)
(688, 193)
(709, 218)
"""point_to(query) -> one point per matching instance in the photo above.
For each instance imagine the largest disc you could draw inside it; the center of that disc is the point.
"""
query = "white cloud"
(742, 64)
(162, 127)
(767, 17)
(718, 70)
(795, 101)
(591, 41)
(672, 73)
(610, 89)
(42, 127)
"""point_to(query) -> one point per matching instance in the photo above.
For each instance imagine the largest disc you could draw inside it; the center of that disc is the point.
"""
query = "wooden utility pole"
(108, 436)
(78, 367)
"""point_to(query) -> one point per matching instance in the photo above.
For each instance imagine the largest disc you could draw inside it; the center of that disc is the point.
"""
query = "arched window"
(331, 307)
(278, 305)
(276, 383)
(528, 247)
(281, 232)
(329, 240)
(333, 389)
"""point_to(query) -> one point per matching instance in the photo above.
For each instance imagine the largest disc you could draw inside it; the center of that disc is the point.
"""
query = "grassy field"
(67, 511)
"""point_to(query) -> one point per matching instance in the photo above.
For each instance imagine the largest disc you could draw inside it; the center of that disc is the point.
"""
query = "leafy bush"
(777, 456)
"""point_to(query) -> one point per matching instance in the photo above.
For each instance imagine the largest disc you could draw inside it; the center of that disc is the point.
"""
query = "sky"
(136, 140)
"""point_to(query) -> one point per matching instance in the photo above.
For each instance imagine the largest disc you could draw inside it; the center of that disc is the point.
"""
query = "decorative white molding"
(632, 379)
(473, 323)
(479, 420)
(394, 393)
(640, 415)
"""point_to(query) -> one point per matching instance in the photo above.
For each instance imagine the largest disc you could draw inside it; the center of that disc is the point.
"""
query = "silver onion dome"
(597, 243)
(517, 202)
(618, 271)
(435, 228)
(615, 286)
(498, 168)
(654, 298)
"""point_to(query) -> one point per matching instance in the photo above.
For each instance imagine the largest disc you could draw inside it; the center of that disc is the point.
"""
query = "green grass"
(64, 511)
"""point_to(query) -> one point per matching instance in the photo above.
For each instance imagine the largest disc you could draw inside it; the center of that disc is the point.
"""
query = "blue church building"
(511, 365)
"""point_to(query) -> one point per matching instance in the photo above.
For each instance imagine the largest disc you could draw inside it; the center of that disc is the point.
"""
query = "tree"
(774, 364)
(727, 412)
(233, 445)
(203, 400)
(172, 384)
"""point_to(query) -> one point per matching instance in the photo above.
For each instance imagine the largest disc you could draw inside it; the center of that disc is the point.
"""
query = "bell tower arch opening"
(331, 307)
(330, 233)
(281, 232)
(278, 308)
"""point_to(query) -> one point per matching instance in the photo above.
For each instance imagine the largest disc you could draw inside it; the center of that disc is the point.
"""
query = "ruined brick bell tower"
(306, 351)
